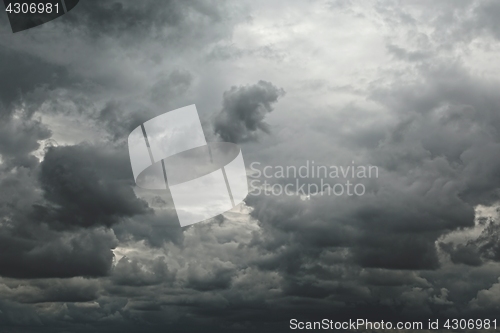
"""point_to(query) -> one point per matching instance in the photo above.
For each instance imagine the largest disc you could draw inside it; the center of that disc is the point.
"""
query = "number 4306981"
(473, 324)
(32, 8)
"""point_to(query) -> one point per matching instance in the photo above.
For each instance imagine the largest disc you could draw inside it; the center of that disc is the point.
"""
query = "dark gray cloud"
(218, 277)
(114, 17)
(476, 251)
(132, 272)
(118, 123)
(483, 20)
(51, 290)
(26, 73)
(119, 119)
(19, 137)
(243, 111)
(86, 186)
(155, 229)
(178, 22)
(48, 254)
(403, 54)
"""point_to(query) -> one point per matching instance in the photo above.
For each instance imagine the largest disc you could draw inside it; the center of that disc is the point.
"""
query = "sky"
(410, 87)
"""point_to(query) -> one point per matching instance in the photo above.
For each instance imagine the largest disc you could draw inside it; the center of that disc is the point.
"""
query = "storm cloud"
(243, 111)
(409, 87)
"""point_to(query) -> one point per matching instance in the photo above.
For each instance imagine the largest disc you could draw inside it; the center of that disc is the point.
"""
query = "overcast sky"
(408, 86)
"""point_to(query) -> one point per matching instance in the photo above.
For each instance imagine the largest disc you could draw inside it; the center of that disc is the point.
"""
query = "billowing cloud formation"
(57, 255)
(86, 186)
(151, 18)
(243, 111)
